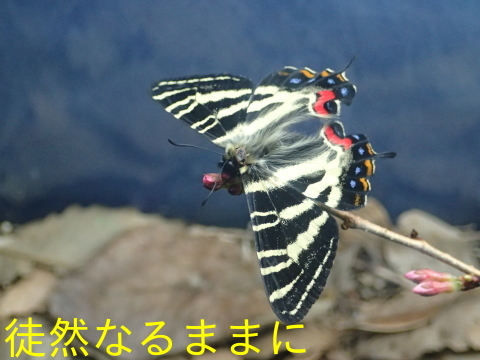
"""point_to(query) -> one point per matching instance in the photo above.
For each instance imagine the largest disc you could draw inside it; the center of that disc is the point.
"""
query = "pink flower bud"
(212, 181)
(430, 288)
(427, 275)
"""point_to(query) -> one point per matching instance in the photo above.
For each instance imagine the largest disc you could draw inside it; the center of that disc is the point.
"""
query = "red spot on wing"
(335, 139)
(323, 97)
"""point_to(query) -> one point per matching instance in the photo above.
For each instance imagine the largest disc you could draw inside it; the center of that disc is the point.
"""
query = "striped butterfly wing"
(212, 104)
(224, 106)
(292, 92)
(343, 184)
(296, 240)
(296, 243)
(301, 92)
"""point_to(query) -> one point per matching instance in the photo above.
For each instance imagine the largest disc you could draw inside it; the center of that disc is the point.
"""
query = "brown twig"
(356, 222)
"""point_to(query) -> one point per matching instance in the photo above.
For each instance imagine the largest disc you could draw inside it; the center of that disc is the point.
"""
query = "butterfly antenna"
(211, 192)
(192, 146)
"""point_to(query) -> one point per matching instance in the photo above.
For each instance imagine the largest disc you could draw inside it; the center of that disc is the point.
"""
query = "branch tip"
(351, 221)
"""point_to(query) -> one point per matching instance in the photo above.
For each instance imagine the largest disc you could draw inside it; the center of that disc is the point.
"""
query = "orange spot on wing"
(365, 184)
(357, 201)
(307, 73)
(369, 165)
(325, 73)
(341, 78)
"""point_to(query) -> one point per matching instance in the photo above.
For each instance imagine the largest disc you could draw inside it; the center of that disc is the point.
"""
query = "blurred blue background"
(77, 124)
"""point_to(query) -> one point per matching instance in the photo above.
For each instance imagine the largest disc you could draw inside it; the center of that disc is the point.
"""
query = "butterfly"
(283, 172)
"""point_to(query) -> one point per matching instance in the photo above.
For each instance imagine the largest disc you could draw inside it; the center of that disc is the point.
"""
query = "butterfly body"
(282, 172)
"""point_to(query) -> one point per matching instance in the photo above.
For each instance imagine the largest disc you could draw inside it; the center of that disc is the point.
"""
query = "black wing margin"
(211, 104)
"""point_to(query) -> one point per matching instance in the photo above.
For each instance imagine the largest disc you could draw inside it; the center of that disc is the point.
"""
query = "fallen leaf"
(439, 234)
(457, 328)
(67, 240)
(406, 311)
(27, 296)
(165, 272)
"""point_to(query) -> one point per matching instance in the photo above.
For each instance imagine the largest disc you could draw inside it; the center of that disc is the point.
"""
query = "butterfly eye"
(228, 169)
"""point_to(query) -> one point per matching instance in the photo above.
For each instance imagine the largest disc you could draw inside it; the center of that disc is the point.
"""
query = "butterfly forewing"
(211, 104)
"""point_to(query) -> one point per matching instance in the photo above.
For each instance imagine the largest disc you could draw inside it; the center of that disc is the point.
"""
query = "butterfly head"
(233, 164)
(241, 156)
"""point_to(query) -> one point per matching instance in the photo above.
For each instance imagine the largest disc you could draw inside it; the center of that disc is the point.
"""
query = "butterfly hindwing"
(296, 240)
(343, 182)
(302, 92)
(211, 104)
(296, 243)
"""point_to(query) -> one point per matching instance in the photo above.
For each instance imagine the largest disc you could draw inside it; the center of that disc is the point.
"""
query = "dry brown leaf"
(164, 273)
(436, 228)
(68, 239)
(8, 265)
(406, 311)
(338, 354)
(439, 234)
(468, 356)
(27, 296)
(352, 241)
(456, 328)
